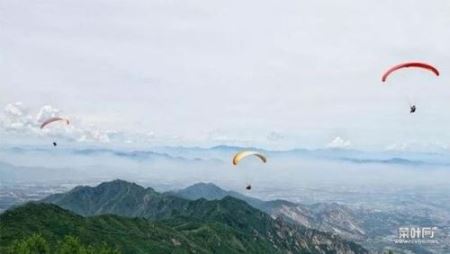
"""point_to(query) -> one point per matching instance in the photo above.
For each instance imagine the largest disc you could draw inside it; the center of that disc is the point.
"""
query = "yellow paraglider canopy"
(242, 154)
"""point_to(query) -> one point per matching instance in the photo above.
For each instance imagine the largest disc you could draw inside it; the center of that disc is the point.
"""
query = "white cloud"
(94, 135)
(339, 142)
(25, 122)
(16, 118)
(46, 112)
(14, 109)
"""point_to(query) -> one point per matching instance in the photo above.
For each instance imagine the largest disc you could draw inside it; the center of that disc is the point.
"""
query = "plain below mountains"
(134, 219)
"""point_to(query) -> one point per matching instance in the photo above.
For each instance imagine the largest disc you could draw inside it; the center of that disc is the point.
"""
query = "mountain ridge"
(332, 218)
(130, 200)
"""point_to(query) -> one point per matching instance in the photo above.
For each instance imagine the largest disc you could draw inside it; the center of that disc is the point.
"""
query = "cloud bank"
(20, 120)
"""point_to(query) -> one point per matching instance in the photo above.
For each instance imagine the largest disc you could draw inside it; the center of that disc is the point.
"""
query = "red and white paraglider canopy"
(420, 65)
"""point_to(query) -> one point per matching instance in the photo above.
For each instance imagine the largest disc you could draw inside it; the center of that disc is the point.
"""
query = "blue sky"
(197, 72)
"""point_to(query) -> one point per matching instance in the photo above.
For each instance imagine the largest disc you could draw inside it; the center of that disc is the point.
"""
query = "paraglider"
(420, 65)
(52, 120)
(243, 154)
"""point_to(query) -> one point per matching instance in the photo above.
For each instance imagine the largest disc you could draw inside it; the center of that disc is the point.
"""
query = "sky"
(200, 73)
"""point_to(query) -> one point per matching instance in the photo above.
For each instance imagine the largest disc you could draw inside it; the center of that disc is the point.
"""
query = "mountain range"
(328, 217)
(207, 203)
(146, 220)
(222, 153)
(372, 228)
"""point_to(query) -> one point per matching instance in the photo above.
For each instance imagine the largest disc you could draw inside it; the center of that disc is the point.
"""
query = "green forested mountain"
(120, 198)
(151, 222)
(128, 235)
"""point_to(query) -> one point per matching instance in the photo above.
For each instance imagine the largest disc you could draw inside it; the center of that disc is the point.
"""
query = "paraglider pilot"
(54, 144)
(249, 187)
(412, 109)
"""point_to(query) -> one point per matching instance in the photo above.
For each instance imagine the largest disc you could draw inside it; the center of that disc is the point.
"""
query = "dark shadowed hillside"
(129, 235)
